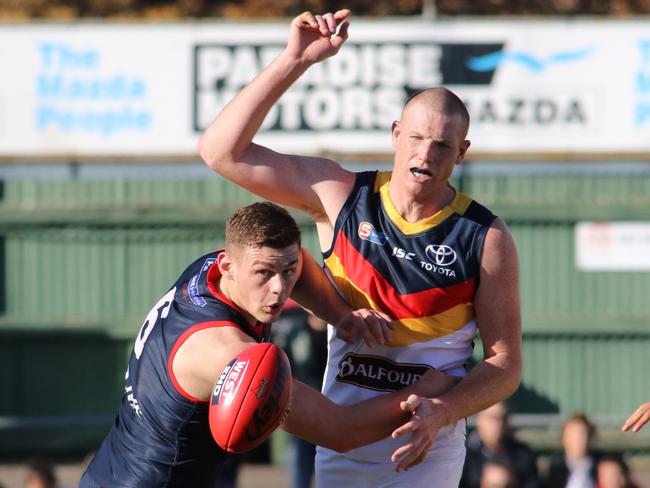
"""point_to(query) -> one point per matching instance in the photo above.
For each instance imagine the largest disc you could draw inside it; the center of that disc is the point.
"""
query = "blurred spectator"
(575, 466)
(304, 339)
(498, 473)
(613, 472)
(493, 440)
(40, 474)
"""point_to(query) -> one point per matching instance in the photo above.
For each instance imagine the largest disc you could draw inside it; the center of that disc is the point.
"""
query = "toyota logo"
(440, 254)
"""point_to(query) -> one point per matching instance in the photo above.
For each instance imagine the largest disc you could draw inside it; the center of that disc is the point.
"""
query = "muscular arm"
(203, 356)
(323, 422)
(498, 318)
(318, 186)
(499, 322)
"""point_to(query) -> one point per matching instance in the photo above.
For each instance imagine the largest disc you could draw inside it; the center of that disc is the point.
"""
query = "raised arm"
(318, 186)
(499, 321)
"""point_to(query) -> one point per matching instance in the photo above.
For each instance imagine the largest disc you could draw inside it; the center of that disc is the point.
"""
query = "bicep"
(318, 186)
(497, 302)
(201, 358)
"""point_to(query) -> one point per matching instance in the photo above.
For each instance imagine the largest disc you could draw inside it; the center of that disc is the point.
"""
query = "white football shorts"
(442, 468)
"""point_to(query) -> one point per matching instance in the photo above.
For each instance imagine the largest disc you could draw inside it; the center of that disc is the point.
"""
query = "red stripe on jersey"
(400, 306)
(179, 342)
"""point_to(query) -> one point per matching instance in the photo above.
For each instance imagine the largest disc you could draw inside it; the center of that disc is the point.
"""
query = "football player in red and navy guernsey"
(222, 303)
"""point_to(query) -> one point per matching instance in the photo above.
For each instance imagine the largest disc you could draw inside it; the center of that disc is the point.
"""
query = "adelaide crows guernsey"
(161, 435)
(422, 274)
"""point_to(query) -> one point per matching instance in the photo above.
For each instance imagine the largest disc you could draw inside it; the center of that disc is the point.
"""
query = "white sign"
(149, 90)
(612, 246)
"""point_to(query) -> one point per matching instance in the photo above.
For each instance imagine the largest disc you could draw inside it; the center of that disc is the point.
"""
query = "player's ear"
(463, 151)
(395, 133)
(225, 263)
(301, 260)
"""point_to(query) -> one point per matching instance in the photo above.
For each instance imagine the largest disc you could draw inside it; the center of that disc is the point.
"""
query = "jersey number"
(159, 311)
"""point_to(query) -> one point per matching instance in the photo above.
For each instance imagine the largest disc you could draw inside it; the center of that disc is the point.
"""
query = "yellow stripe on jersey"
(424, 329)
(381, 179)
(354, 295)
(408, 330)
(458, 205)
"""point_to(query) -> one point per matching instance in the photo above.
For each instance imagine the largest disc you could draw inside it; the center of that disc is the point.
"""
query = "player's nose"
(427, 151)
(278, 285)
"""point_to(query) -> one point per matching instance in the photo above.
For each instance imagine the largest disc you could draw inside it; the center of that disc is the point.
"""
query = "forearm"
(315, 292)
(489, 382)
(232, 132)
(342, 428)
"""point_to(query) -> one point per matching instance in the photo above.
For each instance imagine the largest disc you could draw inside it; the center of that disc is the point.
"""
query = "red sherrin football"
(250, 398)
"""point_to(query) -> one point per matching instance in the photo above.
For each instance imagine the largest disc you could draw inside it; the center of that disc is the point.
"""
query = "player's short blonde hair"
(261, 224)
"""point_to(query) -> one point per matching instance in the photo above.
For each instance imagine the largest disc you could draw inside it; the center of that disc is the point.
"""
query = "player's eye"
(264, 273)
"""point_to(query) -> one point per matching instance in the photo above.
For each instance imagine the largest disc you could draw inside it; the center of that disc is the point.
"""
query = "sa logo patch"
(368, 233)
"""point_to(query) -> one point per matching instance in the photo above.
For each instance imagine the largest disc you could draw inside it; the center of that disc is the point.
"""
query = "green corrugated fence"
(84, 259)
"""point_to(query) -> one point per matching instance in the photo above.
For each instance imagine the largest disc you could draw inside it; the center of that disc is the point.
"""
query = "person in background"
(575, 466)
(498, 473)
(40, 474)
(493, 440)
(303, 337)
(613, 472)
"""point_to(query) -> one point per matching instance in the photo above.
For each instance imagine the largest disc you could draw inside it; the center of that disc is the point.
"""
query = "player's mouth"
(420, 172)
(273, 308)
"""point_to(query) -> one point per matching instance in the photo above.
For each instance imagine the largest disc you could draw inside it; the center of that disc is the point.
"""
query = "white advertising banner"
(612, 246)
(149, 90)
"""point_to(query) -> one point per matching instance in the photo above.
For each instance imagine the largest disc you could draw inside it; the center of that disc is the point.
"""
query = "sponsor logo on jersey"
(378, 373)
(193, 286)
(133, 401)
(367, 232)
(400, 253)
(440, 254)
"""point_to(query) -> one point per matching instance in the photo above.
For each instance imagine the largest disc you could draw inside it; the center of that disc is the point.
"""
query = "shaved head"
(440, 100)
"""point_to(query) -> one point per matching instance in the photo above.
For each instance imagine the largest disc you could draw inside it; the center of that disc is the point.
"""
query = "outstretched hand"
(424, 424)
(372, 325)
(638, 419)
(316, 37)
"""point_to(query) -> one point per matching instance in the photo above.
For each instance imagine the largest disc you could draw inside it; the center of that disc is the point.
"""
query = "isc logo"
(398, 252)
